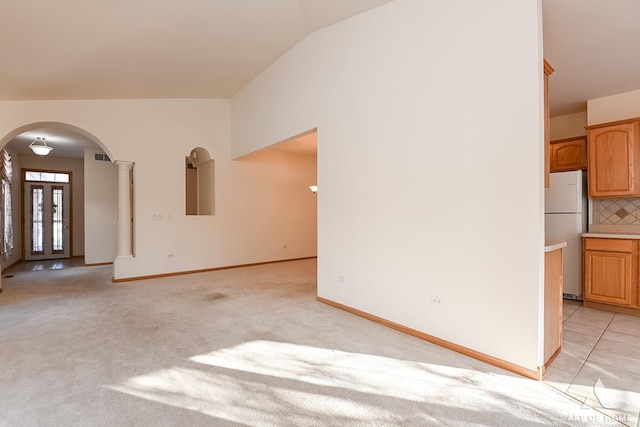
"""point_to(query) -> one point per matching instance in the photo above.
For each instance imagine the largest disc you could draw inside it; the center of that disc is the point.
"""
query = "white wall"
(429, 118)
(101, 209)
(279, 182)
(157, 134)
(76, 167)
(612, 108)
(568, 126)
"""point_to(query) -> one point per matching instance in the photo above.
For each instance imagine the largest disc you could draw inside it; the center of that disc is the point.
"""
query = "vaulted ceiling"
(594, 46)
(74, 49)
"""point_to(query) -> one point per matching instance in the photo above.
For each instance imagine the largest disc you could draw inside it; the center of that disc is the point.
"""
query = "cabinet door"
(608, 277)
(569, 154)
(614, 158)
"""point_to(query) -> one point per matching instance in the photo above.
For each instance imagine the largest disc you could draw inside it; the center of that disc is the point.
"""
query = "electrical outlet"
(170, 255)
(435, 300)
(156, 217)
(340, 278)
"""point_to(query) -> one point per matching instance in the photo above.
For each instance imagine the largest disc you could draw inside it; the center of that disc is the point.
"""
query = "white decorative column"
(124, 209)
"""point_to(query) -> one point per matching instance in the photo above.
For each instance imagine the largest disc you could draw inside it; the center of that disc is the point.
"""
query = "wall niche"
(199, 183)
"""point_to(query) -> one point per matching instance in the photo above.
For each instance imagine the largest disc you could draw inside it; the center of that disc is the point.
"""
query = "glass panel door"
(57, 211)
(47, 231)
(37, 228)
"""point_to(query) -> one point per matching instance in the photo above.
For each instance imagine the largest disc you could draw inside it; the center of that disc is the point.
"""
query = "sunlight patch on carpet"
(254, 382)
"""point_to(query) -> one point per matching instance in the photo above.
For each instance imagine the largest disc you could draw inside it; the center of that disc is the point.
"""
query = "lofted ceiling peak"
(73, 49)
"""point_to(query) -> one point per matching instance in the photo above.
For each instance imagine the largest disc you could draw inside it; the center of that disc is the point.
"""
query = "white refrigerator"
(565, 219)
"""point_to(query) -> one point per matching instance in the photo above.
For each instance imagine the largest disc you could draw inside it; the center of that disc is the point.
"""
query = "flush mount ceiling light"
(39, 146)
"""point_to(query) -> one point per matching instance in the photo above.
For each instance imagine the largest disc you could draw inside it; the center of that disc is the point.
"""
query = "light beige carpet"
(240, 347)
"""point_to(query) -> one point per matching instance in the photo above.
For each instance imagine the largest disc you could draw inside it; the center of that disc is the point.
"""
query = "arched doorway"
(93, 192)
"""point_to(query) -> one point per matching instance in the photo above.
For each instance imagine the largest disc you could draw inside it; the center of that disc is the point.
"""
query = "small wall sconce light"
(313, 188)
(39, 146)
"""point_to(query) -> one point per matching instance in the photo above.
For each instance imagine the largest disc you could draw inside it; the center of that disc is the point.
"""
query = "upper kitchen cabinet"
(569, 154)
(614, 159)
(548, 69)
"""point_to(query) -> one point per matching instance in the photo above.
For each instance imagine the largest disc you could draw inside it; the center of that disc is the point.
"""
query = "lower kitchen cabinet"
(611, 271)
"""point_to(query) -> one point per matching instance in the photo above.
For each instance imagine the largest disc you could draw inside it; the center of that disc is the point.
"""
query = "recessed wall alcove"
(199, 183)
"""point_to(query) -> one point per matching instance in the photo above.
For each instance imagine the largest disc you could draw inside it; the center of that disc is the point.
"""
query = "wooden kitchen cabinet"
(611, 271)
(548, 70)
(614, 159)
(569, 154)
(552, 304)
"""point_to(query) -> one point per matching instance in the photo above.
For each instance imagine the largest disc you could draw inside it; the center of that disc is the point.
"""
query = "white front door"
(46, 224)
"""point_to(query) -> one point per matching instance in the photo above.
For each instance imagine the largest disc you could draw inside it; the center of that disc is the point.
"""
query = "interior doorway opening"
(50, 217)
(288, 202)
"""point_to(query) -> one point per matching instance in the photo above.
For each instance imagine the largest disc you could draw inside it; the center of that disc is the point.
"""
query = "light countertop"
(599, 235)
(552, 246)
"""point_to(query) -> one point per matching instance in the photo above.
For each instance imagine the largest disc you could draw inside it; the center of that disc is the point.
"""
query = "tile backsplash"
(616, 211)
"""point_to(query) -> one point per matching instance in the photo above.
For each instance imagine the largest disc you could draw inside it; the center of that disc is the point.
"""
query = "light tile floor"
(48, 264)
(600, 361)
